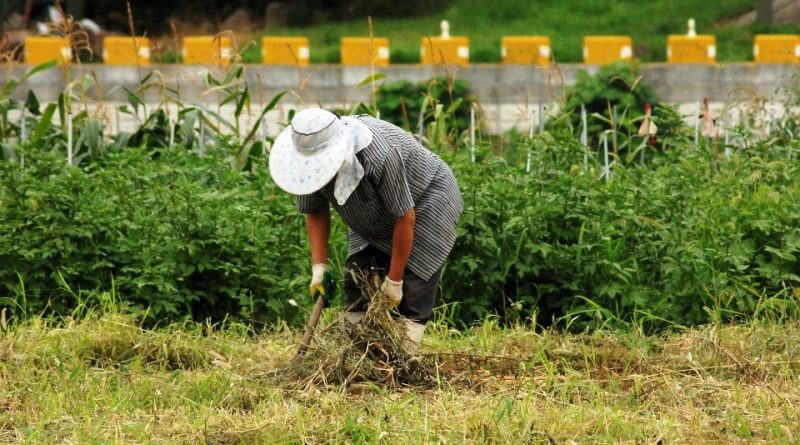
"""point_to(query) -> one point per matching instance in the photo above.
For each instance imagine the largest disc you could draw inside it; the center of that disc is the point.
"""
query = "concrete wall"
(504, 91)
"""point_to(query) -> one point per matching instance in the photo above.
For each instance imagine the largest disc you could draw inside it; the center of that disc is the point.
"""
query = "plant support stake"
(172, 125)
(728, 151)
(23, 138)
(542, 108)
(23, 129)
(530, 138)
(472, 133)
(584, 137)
(697, 125)
(202, 148)
(606, 166)
(614, 127)
(69, 136)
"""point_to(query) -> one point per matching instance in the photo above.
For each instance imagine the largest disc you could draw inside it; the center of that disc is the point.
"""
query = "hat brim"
(362, 135)
(301, 174)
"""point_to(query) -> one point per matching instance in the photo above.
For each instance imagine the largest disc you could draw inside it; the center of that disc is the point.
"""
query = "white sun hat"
(316, 146)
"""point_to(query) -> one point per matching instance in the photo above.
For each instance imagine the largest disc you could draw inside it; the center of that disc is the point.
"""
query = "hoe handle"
(312, 326)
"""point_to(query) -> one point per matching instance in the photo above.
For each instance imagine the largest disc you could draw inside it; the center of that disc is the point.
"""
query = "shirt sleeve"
(313, 203)
(393, 188)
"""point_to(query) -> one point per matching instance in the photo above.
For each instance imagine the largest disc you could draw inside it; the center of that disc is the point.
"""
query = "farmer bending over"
(400, 202)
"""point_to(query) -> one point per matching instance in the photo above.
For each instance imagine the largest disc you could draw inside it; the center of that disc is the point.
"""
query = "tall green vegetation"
(692, 238)
(176, 234)
(683, 235)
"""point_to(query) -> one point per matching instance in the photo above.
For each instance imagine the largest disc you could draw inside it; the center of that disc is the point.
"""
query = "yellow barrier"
(776, 48)
(446, 50)
(207, 50)
(285, 51)
(126, 51)
(365, 51)
(525, 50)
(686, 49)
(41, 49)
(606, 49)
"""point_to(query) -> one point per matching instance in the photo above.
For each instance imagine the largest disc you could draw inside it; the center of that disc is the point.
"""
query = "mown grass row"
(104, 378)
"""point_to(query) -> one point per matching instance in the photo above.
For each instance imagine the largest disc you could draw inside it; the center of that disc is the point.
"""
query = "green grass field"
(104, 379)
(565, 23)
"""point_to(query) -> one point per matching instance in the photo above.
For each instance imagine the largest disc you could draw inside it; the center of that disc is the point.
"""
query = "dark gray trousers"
(419, 295)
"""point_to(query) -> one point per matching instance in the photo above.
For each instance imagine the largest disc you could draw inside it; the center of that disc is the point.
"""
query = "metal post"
(119, 126)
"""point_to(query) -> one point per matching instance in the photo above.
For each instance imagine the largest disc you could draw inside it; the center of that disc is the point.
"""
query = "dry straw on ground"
(373, 351)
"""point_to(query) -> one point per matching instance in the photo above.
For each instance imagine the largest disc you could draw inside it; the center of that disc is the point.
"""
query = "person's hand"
(393, 290)
(317, 279)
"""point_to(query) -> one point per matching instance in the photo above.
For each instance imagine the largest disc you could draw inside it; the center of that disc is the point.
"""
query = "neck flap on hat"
(351, 172)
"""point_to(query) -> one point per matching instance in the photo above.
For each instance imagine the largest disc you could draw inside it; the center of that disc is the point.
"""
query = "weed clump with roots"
(372, 351)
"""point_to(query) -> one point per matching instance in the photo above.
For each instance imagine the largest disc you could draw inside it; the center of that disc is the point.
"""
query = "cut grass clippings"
(104, 379)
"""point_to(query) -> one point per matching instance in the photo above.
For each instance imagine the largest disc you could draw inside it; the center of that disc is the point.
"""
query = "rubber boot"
(353, 317)
(414, 332)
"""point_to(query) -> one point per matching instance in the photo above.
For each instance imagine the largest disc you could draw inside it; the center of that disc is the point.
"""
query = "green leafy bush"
(692, 239)
(402, 102)
(615, 98)
(179, 235)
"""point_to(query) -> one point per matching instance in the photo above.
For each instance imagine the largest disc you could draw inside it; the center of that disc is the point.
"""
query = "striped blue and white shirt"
(399, 174)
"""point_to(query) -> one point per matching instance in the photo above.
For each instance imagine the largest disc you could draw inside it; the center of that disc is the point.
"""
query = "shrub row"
(176, 234)
(691, 237)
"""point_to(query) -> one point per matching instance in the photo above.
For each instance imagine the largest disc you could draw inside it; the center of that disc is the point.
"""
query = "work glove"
(322, 283)
(393, 291)
(317, 279)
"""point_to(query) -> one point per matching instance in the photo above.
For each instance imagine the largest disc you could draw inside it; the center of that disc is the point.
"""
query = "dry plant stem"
(136, 43)
(371, 53)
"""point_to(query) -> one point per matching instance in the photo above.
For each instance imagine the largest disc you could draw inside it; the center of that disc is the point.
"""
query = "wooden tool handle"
(312, 325)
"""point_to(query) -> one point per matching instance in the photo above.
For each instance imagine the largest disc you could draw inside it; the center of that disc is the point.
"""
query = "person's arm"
(402, 240)
(318, 229)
